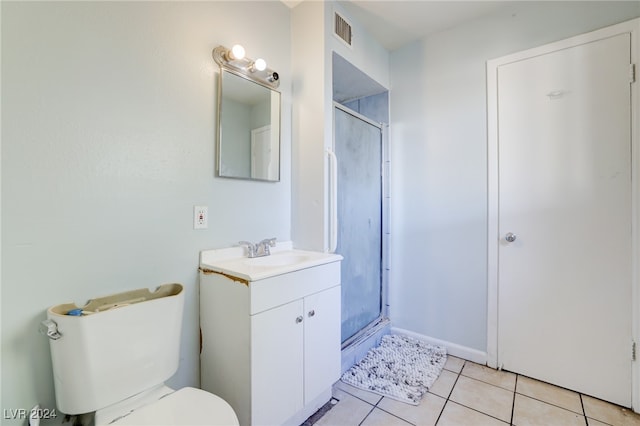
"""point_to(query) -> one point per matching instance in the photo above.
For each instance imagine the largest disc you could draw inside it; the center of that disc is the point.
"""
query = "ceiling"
(394, 23)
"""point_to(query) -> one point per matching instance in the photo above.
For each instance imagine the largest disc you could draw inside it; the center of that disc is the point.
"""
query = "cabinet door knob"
(311, 313)
(299, 319)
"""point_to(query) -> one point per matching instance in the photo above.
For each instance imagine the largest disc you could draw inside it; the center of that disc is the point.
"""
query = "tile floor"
(469, 394)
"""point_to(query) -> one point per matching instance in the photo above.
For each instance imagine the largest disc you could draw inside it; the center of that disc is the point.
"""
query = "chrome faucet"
(262, 248)
(259, 249)
(251, 248)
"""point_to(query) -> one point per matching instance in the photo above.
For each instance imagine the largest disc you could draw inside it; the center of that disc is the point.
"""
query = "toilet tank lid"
(186, 406)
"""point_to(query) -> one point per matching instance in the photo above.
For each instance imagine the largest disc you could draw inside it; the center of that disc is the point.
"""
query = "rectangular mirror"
(249, 129)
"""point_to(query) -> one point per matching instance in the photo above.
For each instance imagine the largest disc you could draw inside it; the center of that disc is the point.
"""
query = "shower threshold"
(356, 347)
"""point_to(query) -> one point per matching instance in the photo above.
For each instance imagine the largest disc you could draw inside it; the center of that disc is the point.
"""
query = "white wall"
(108, 129)
(365, 52)
(312, 45)
(438, 283)
(308, 125)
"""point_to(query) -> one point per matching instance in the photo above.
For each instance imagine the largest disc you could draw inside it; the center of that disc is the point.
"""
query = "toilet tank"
(119, 346)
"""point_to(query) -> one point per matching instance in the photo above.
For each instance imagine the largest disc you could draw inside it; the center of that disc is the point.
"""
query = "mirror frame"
(242, 69)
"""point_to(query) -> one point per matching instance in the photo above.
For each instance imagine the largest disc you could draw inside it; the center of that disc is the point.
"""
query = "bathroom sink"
(283, 259)
(279, 259)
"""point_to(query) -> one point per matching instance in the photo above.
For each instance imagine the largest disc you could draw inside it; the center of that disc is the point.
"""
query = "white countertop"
(283, 259)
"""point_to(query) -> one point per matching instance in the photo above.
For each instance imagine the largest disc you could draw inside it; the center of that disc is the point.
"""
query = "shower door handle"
(333, 201)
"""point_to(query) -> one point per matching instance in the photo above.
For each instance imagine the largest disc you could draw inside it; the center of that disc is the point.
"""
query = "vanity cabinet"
(271, 347)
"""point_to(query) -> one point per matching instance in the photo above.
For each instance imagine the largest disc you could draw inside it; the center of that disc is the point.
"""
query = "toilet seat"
(186, 406)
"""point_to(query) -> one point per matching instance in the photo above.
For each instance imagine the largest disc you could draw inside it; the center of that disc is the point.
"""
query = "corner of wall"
(308, 130)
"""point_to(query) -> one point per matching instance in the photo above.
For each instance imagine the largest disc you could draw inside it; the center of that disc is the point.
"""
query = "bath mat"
(401, 368)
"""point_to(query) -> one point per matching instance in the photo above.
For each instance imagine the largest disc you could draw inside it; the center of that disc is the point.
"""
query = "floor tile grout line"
(582, 405)
(459, 373)
(525, 395)
(513, 404)
(405, 420)
(586, 419)
(394, 415)
(487, 383)
(478, 411)
(373, 406)
(580, 395)
(515, 391)
(448, 398)
(599, 421)
(470, 408)
(454, 385)
(552, 404)
(362, 399)
(368, 414)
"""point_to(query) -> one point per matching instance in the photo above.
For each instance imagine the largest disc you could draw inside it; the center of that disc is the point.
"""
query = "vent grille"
(342, 29)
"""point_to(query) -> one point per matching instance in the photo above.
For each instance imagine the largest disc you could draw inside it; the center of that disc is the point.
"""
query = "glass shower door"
(358, 147)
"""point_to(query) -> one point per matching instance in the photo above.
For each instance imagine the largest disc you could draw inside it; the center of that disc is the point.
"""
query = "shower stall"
(358, 148)
(359, 176)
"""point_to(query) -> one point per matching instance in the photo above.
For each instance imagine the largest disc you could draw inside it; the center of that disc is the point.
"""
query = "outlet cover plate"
(200, 217)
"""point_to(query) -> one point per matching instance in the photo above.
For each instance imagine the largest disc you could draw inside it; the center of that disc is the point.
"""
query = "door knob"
(299, 319)
(510, 237)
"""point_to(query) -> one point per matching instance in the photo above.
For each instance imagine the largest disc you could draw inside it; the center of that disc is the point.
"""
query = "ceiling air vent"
(342, 29)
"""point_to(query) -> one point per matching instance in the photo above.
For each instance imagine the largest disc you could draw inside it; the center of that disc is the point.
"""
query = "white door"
(261, 153)
(564, 283)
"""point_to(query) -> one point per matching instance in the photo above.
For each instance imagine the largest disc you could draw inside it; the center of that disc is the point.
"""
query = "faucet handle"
(251, 248)
(262, 248)
(270, 241)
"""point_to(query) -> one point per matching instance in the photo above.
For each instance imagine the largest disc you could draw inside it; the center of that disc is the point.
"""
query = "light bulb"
(260, 64)
(237, 52)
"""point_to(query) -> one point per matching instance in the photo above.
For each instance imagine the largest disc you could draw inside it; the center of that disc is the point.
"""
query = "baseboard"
(453, 349)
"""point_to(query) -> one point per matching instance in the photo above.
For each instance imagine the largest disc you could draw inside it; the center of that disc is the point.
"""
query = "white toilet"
(113, 356)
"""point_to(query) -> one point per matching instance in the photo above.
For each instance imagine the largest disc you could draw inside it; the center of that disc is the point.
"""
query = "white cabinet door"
(277, 338)
(321, 341)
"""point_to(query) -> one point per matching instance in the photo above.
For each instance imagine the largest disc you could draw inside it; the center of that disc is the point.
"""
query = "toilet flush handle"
(50, 329)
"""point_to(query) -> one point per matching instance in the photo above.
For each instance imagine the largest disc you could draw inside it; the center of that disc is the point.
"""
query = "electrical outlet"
(200, 217)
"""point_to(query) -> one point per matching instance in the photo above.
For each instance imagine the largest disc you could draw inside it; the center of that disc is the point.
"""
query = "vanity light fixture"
(259, 65)
(234, 59)
(236, 53)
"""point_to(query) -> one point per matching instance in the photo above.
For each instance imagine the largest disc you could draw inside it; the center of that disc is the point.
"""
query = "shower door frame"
(382, 318)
